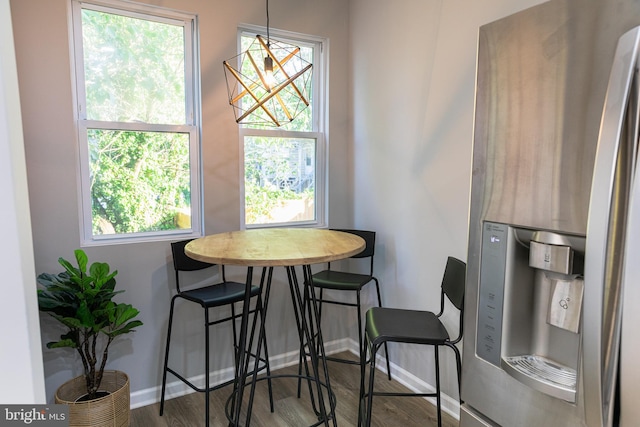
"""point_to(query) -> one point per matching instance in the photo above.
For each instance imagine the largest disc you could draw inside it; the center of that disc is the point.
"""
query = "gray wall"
(413, 77)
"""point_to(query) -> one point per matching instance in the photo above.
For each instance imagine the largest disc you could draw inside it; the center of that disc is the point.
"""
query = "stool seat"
(224, 293)
(407, 326)
(340, 280)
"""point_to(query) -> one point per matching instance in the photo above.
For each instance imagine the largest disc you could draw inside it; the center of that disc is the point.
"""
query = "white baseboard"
(177, 388)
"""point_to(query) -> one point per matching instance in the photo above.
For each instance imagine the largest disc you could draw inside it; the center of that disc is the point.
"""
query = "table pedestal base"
(316, 375)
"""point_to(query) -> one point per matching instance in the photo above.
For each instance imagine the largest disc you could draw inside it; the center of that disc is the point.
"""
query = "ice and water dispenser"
(530, 303)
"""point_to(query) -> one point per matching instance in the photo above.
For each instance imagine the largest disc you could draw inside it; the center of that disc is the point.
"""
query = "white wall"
(21, 355)
(42, 50)
(413, 77)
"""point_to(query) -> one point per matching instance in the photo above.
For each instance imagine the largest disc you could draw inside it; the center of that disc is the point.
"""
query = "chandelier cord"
(268, 38)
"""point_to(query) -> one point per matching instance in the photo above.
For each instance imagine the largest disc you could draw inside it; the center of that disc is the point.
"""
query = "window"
(138, 121)
(284, 168)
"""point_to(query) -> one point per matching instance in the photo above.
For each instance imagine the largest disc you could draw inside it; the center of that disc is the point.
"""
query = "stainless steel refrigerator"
(551, 303)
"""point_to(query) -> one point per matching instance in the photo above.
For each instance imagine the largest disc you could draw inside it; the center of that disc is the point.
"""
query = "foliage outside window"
(284, 167)
(279, 180)
(137, 121)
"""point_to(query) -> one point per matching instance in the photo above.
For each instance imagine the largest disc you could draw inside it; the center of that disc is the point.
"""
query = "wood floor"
(188, 411)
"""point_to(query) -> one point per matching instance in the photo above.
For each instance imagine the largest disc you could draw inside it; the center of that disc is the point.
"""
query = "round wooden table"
(273, 247)
(280, 247)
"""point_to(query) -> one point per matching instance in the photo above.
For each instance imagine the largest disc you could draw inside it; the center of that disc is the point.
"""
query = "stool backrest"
(181, 262)
(453, 285)
(453, 282)
(369, 240)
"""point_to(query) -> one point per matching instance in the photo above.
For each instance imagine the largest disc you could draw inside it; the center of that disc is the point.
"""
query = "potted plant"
(81, 300)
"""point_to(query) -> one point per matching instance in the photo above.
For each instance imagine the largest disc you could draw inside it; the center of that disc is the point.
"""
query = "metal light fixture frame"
(270, 83)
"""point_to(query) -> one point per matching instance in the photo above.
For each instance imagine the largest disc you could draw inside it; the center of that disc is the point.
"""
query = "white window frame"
(319, 123)
(192, 124)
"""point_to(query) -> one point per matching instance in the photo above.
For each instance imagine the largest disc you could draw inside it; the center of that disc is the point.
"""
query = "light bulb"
(268, 73)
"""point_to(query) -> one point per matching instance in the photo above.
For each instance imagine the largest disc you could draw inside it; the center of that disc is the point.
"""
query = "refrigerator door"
(630, 347)
(532, 171)
(607, 231)
(539, 121)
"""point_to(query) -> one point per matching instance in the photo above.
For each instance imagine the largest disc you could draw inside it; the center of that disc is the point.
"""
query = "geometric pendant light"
(269, 83)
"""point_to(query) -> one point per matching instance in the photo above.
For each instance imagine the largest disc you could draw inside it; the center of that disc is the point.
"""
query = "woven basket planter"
(108, 411)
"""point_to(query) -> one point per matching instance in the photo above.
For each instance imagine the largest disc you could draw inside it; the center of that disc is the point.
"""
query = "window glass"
(140, 181)
(133, 69)
(279, 180)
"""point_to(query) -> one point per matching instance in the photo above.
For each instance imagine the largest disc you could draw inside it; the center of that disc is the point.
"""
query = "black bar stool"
(211, 296)
(347, 281)
(385, 325)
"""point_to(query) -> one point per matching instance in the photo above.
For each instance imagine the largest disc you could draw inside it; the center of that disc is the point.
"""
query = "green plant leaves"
(82, 302)
(100, 273)
(62, 343)
(81, 259)
(86, 318)
(70, 339)
(124, 312)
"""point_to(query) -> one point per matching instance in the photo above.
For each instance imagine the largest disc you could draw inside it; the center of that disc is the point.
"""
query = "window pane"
(139, 181)
(279, 179)
(133, 68)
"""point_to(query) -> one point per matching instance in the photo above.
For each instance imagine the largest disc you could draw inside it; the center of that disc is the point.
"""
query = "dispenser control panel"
(491, 291)
(551, 257)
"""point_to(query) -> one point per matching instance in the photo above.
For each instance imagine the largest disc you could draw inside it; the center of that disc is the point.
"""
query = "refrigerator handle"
(606, 230)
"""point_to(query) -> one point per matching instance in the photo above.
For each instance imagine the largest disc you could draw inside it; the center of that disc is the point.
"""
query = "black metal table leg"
(307, 317)
(243, 354)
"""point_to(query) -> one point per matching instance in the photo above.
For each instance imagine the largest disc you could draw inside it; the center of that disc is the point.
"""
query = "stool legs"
(258, 311)
(358, 306)
(166, 356)
(365, 406)
(207, 387)
(369, 396)
(438, 400)
(361, 405)
(386, 348)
